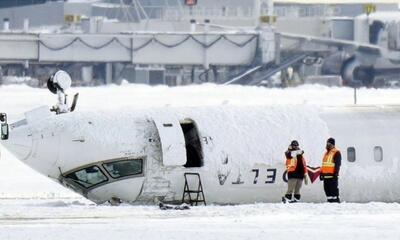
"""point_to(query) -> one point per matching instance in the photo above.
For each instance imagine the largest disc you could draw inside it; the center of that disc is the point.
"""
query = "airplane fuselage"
(142, 155)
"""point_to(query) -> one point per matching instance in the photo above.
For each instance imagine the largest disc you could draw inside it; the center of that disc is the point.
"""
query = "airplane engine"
(333, 63)
(355, 74)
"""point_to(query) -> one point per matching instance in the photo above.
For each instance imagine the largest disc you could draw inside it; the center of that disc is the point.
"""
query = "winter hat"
(331, 141)
(294, 143)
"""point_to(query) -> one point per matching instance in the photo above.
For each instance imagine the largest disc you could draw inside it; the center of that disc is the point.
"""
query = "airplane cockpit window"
(378, 154)
(351, 154)
(88, 177)
(124, 168)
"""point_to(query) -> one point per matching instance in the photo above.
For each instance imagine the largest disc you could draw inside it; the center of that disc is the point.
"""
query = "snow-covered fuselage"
(141, 155)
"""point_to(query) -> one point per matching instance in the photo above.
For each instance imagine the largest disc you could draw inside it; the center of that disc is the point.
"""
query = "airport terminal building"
(329, 19)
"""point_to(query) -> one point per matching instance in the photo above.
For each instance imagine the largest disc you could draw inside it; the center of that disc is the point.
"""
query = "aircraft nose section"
(37, 149)
(35, 141)
(19, 143)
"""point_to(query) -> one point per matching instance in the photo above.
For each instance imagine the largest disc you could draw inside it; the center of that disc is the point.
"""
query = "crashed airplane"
(227, 154)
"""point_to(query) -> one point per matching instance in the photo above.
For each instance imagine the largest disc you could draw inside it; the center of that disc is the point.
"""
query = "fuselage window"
(88, 177)
(351, 154)
(378, 154)
(124, 168)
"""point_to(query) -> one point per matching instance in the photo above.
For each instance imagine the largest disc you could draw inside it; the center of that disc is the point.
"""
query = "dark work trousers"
(331, 189)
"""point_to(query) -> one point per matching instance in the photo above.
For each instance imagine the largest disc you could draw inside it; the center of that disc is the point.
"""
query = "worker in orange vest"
(330, 171)
(296, 171)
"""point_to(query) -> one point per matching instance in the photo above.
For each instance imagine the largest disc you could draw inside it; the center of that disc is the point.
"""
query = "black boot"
(287, 198)
(334, 199)
(296, 197)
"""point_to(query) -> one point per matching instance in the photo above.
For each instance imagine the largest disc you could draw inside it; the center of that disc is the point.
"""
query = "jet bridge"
(175, 48)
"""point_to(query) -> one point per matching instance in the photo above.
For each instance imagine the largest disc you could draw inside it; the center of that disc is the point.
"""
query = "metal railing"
(170, 13)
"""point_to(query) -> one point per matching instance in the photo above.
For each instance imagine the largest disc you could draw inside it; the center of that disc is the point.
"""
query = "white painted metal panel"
(343, 29)
(37, 114)
(118, 189)
(138, 48)
(18, 46)
(191, 51)
(217, 48)
(188, 52)
(172, 140)
(85, 47)
(227, 53)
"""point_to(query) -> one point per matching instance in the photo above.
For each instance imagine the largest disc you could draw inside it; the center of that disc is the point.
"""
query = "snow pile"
(19, 80)
(229, 127)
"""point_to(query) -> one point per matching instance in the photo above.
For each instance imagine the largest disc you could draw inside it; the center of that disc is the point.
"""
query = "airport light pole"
(355, 95)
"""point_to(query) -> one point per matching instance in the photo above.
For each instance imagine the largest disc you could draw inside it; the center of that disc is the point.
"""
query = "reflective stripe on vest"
(328, 165)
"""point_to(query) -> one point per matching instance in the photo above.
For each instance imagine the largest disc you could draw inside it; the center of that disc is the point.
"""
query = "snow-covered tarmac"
(78, 219)
(34, 207)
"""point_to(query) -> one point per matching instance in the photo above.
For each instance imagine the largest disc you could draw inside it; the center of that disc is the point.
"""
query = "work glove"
(321, 177)
(305, 179)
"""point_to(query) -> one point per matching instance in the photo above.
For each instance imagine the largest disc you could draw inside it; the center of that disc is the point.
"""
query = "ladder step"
(187, 192)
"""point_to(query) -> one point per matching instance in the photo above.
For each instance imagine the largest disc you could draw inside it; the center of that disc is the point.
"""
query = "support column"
(215, 73)
(264, 9)
(26, 24)
(257, 12)
(109, 73)
(26, 68)
(266, 21)
(192, 25)
(192, 74)
(87, 74)
(6, 25)
(278, 48)
(267, 44)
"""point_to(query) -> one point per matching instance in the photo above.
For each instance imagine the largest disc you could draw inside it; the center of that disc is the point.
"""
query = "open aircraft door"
(172, 140)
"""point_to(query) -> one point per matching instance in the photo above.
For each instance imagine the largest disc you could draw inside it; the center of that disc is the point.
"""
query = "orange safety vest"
(328, 165)
(291, 164)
